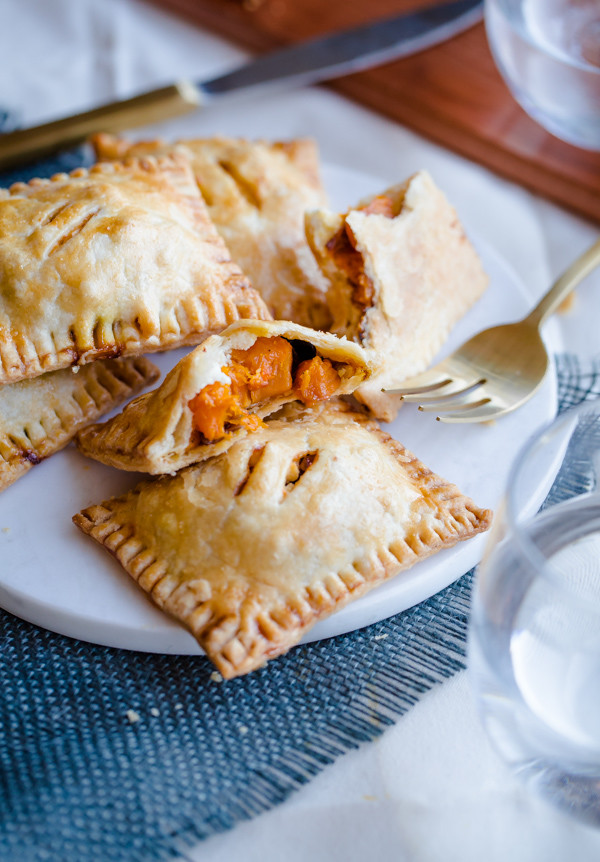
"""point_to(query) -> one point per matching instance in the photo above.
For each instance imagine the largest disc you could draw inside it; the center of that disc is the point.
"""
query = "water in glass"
(548, 51)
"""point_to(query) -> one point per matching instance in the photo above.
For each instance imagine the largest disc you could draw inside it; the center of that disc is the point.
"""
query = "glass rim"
(563, 58)
(517, 524)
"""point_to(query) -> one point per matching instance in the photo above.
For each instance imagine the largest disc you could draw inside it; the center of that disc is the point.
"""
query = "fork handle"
(563, 286)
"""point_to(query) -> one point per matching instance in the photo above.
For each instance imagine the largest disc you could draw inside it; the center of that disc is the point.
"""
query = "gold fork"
(498, 369)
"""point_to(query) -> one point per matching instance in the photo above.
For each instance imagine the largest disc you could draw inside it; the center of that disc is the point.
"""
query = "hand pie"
(401, 274)
(257, 193)
(249, 549)
(120, 259)
(41, 416)
(221, 391)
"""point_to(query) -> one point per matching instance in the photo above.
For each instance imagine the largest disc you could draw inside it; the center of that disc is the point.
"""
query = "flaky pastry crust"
(249, 549)
(116, 260)
(257, 193)
(41, 416)
(154, 433)
(423, 275)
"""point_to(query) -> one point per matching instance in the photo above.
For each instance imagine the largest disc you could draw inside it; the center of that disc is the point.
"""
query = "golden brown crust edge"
(300, 152)
(40, 417)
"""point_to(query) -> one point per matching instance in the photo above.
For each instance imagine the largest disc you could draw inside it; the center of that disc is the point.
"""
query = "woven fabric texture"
(113, 755)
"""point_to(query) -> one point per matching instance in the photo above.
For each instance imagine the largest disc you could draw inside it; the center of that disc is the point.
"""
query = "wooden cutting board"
(452, 93)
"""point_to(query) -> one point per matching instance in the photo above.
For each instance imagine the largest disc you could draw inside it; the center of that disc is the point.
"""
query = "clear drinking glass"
(534, 648)
(548, 52)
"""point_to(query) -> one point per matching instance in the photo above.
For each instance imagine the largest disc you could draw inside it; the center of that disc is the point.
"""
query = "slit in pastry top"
(257, 193)
(115, 260)
(251, 548)
(223, 389)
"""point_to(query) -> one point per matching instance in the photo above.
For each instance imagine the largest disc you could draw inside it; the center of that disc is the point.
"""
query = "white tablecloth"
(431, 788)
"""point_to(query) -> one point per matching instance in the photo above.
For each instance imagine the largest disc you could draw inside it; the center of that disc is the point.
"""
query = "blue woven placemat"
(113, 755)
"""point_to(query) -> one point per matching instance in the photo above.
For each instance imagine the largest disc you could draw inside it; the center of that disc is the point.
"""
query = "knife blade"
(306, 63)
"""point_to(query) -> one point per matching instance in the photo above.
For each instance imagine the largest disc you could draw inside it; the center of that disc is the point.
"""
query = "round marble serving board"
(54, 576)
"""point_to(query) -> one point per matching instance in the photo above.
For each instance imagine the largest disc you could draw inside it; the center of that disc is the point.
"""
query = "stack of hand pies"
(275, 496)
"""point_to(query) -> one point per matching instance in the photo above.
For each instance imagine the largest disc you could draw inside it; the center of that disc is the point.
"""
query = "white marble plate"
(54, 576)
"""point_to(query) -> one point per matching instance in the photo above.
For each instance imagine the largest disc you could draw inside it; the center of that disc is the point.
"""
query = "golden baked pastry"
(221, 391)
(250, 548)
(116, 260)
(401, 273)
(257, 193)
(39, 417)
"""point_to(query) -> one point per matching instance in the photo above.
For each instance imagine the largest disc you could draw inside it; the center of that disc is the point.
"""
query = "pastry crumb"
(380, 637)
(75, 368)
(6, 530)
(243, 729)
(132, 716)
(368, 797)
(154, 711)
(216, 676)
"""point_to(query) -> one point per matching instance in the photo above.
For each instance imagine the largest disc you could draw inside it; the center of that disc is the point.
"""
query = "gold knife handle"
(29, 144)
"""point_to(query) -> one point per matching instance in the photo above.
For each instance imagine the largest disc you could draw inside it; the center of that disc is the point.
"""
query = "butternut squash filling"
(342, 247)
(268, 369)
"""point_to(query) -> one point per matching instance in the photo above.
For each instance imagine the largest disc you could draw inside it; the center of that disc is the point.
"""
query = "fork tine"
(428, 381)
(481, 412)
(417, 393)
(450, 396)
(459, 406)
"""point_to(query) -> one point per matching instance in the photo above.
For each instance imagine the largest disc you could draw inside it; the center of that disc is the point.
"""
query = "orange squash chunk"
(346, 256)
(216, 405)
(212, 407)
(262, 371)
(316, 380)
(239, 377)
(269, 363)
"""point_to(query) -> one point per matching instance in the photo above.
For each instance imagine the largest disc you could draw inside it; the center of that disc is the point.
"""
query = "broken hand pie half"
(119, 259)
(39, 417)
(221, 391)
(257, 193)
(249, 549)
(401, 273)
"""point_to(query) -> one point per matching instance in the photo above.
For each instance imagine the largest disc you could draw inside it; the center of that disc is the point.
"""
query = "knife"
(305, 63)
